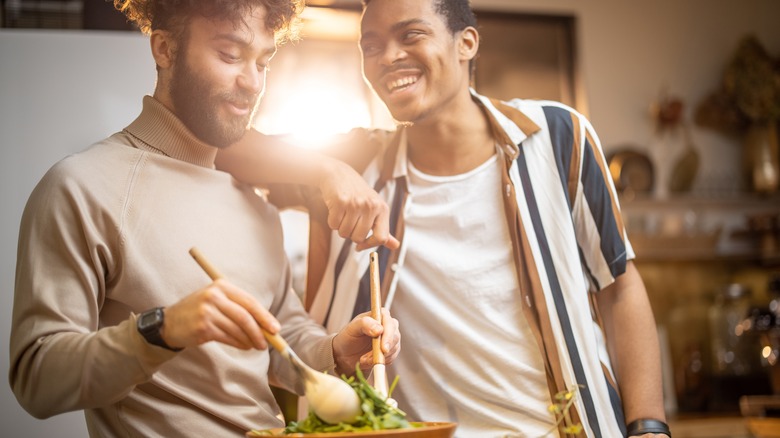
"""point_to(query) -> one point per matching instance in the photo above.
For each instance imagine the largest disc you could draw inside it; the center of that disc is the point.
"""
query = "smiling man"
(514, 280)
(111, 315)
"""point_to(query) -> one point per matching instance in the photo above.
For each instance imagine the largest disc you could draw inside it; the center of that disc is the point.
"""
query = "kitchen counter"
(709, 427)
(725, 427)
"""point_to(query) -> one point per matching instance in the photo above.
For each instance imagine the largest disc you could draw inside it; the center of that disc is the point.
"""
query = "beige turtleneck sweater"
(105, 235)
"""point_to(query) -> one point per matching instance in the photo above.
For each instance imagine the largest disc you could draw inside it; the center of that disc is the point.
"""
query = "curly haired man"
(111, 315)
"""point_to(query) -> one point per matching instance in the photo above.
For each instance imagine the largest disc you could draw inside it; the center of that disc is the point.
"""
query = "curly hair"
(281, 16)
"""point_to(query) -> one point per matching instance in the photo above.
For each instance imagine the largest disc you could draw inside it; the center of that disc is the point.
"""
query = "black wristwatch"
(149, 324)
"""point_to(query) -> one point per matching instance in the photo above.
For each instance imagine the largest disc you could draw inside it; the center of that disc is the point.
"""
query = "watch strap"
(151, 332)
(647, 425)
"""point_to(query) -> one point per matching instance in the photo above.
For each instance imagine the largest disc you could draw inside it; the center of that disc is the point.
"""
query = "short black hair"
(457, 13)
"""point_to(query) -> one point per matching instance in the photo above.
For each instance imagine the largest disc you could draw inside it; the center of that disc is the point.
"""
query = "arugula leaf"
(376, 413)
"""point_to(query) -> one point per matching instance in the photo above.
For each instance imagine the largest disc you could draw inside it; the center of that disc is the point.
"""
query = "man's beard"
(196, 102)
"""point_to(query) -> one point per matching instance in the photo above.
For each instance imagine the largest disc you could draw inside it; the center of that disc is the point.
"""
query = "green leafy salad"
(376, 413)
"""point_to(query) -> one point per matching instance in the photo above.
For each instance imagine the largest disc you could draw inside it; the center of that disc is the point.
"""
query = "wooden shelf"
(745, 228)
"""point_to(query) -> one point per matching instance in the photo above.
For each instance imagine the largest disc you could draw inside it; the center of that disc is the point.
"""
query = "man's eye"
(370, 49)
(412, 34)
(230, 57)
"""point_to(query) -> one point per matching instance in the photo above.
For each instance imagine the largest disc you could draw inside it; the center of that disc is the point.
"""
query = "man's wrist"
(340, 366)
(644, 426)
(325, 170)
(150, 325)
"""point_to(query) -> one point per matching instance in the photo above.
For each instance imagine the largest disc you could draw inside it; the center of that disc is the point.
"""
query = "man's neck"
(454, 143)
(158, 130)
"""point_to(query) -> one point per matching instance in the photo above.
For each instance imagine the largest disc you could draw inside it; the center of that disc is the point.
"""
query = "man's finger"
(227, 338)
(362, 228)
(335, 217)
(260, 314)
(380, 234)
(391, 243)
(237, 322)
(389, 331)
(348, 224)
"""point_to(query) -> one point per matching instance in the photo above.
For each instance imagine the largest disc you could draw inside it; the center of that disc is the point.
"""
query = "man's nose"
(252, 79)
(392, 53)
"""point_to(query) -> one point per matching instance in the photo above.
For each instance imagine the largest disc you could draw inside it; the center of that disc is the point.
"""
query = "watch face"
(149, 319)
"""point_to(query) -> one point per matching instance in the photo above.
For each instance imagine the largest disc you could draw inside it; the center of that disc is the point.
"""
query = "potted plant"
(747, 104)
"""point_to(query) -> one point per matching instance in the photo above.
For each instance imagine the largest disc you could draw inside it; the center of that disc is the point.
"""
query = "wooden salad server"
(378, 371)
(331, 398)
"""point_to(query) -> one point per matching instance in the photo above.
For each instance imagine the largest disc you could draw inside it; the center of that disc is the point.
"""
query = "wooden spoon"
(331, 398)
(378, 371)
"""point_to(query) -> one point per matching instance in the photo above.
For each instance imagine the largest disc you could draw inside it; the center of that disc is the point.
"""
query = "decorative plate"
(632, 171)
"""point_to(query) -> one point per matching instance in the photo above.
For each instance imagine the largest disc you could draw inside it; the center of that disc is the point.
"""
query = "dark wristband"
(647, 425)
(149, 325)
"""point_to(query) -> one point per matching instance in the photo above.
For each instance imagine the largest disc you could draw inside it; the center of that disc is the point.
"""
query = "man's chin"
(219, 141)
(228, 143)
(232, 136)
(403, 118)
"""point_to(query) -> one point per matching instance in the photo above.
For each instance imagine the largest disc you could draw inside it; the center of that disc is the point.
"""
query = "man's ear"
(163, 48)
(469, 43)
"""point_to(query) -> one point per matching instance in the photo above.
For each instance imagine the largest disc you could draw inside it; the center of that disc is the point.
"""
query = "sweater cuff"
(150, 357)
(322, 354)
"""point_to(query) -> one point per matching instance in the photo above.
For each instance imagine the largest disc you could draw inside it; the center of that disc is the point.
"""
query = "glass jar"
(688, 340)
(735, 353)
(766, 322)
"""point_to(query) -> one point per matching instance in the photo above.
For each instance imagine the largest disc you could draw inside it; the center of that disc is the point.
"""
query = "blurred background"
(685, 96)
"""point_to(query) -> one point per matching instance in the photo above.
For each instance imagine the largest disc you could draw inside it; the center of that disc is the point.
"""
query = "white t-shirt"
(467, 347)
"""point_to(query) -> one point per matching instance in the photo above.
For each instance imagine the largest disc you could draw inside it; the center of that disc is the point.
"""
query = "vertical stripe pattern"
(598, 197)
(567, 234)
(555, 288)
(563, 135)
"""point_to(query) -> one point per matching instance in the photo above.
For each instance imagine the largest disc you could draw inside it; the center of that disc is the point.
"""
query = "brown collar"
(524, 127)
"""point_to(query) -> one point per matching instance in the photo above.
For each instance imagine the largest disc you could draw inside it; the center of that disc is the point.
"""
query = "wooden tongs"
(331, 398)
(378, 371)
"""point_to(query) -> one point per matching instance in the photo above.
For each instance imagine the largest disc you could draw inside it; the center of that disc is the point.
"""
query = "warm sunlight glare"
(313, 112)
(314, 86)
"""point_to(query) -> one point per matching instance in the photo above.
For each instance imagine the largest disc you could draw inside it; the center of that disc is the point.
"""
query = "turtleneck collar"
(159, 131)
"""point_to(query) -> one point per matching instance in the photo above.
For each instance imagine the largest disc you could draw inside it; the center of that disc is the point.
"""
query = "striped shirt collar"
(509, 125)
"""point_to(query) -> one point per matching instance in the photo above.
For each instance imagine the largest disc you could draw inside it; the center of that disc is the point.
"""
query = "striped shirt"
(567, 237)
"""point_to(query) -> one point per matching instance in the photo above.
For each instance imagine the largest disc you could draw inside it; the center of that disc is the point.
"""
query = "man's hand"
(354, 208)
(219, 312)
(353, 343)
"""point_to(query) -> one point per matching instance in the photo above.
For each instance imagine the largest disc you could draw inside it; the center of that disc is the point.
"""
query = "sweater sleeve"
(307, 338)
(61, 359)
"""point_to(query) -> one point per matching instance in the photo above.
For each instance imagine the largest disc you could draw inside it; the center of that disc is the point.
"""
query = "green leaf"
(376, 413)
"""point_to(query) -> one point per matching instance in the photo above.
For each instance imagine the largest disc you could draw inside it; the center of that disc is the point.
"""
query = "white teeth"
(398, 83)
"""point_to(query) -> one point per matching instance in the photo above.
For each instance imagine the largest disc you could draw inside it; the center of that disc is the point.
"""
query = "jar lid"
(774, 285)
(734, 291)
(761, 320)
